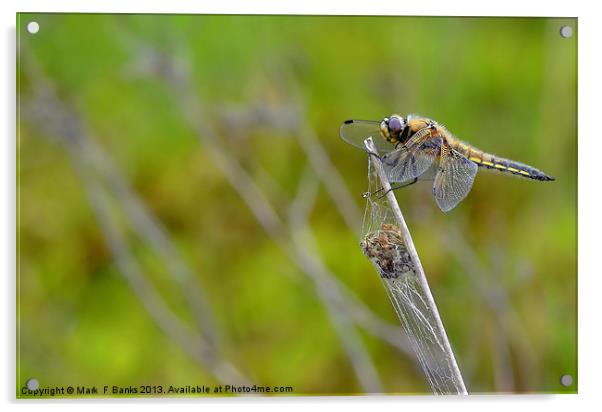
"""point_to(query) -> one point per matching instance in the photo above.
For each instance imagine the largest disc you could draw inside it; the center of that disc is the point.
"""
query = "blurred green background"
(187, 113)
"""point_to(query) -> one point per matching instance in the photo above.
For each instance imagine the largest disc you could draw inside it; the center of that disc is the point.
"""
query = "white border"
(590, 167)
(348, 7)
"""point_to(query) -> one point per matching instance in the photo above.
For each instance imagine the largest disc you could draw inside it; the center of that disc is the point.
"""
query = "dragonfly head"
(392, 127)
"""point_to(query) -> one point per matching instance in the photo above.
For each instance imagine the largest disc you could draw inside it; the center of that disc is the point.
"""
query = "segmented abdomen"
(492, 162)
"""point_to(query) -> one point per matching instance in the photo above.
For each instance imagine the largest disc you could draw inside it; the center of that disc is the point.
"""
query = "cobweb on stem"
(385, 244)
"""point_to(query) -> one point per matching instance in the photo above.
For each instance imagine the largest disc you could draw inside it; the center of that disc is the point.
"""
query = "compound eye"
(394, 125)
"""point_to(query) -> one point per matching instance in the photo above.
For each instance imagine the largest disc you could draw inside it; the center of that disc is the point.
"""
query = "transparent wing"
(403, 164)
(453, 180)
(356, 131)
(431, 172)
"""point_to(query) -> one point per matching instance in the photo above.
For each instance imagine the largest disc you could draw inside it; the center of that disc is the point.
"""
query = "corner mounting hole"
(32, 384)
(566, 31)
(33, 27)
(566, 380)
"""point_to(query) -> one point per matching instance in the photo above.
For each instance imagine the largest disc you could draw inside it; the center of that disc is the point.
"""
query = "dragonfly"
(415, 147)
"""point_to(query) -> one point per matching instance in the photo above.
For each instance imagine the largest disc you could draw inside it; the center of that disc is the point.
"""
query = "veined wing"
(406, 164)
(355, 132)
(454, 179)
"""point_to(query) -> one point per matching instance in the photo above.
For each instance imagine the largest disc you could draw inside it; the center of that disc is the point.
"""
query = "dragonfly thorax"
(392, 128)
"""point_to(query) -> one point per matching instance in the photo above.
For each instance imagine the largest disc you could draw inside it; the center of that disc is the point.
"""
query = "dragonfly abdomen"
(500, 164)
(492, 162)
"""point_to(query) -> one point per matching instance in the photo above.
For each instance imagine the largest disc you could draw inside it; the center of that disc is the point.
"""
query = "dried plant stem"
(430, 302)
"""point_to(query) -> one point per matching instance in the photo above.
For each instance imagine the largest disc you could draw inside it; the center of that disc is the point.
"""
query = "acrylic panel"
(189, 219)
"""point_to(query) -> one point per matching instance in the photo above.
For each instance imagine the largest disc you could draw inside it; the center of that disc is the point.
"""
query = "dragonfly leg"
(374, 154)
(368, 194)
(411, 182)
